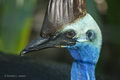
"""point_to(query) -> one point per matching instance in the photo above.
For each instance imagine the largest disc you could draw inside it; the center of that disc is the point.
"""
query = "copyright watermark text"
(14, 76)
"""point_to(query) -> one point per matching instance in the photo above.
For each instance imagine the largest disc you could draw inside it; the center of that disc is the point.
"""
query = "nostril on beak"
(31, 47)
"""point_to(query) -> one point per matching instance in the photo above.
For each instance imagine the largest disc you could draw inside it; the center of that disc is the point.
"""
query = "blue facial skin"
(86, 56)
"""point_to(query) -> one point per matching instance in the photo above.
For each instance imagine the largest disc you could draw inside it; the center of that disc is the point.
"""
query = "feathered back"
(61, 12)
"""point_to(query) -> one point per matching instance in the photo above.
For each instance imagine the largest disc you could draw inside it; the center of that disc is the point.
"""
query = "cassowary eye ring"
(90, 35)
(70, 34)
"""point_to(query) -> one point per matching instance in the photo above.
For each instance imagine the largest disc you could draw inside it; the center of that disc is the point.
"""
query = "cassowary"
(67, 25)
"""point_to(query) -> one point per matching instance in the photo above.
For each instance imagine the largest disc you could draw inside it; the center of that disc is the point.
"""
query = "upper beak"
(48, 42)
(35, 45)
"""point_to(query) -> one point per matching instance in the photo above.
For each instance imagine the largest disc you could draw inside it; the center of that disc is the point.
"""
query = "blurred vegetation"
(113, 15)
(16, 21)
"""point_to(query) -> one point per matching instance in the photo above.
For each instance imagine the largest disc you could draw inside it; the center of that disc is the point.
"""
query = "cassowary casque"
(67, 25)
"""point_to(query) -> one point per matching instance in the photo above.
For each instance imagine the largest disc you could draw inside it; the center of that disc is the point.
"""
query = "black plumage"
(34, 69)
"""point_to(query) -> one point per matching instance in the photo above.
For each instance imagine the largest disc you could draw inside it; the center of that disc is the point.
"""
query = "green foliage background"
(15, 27)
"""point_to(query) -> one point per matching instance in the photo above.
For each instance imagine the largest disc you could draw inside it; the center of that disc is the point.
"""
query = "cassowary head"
(67, 25)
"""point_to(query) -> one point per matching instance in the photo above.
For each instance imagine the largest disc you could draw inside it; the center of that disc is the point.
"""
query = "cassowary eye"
(90, 35)
(70, 34)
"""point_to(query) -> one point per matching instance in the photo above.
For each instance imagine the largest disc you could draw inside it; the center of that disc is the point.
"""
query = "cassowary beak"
(35, 45)
(47, 42)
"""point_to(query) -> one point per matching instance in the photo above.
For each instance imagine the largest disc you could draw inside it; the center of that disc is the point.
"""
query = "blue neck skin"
(82, 71)
(86, 57)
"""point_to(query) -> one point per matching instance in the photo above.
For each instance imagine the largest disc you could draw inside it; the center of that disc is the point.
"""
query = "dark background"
(21, 20)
